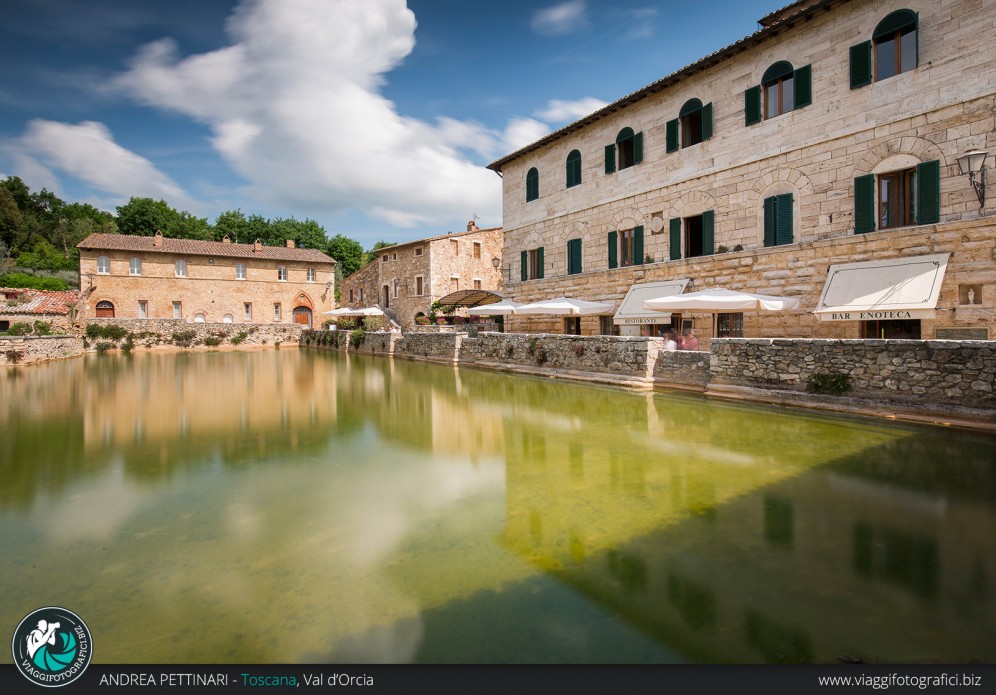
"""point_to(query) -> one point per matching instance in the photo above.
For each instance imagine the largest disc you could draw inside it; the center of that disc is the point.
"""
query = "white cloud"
(564, 18)
(521, 132)
(560, 111)
(295, 109)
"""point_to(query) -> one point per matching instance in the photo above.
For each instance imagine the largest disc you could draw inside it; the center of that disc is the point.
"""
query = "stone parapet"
(31, 349)
(431, 347)
(179, 333)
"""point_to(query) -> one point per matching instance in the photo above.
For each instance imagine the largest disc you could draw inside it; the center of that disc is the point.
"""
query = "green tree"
(145, 216)
(10, 219)
(44, 256)
(348, 252)
(306, 234)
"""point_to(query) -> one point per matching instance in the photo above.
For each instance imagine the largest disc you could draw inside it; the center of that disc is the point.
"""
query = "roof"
(190, 247)
(39, 301)
(448, 235)
(470, 298)
(773, 24)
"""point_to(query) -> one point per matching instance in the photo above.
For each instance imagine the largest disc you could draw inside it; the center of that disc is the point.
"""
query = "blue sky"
(373, 117)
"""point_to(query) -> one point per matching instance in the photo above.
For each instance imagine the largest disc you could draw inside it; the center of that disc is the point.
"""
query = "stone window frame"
(240, 271)
(532, 185)
(477, 250)
(457, 287)
(135, 266)
(418, 251)
(419, 284)
(395, 287)
(281, 273)
(178, 310)
(311, 275)
(277, 311)
(478, 283)
(143, 308)
(247, 311)
(103, 265)
(180, 268)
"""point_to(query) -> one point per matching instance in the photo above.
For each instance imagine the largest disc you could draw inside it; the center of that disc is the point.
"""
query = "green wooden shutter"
(638, 245)
(675, 240)
(708, 232)
(638, 148)
(861, 64)
(671, 135)
(783, 219)
(539, 263)
(752, 105)
(525, 265)
(573, 256)
(610, 158)
(928, 192)
(864, 204)
(707, 121)
(769, 220)
(803, 86)
(917, 36)
(613, 250)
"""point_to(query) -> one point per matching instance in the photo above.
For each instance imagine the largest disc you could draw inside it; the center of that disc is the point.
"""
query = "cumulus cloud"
(560, 111)
(565, 18)
(295, 108)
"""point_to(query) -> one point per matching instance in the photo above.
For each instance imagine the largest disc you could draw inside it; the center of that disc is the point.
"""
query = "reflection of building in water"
(741, 558)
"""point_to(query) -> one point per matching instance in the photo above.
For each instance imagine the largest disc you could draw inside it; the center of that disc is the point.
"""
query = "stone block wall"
(160, 332)
(632, 357)
(30, 349)
(438, 347)
(683, 369)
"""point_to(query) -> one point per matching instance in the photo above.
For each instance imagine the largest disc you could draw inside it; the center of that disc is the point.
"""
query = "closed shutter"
(864, 204)
(928, 192)
(638, 245)
(573, 256)
(803, 86)
(783, 220)
(613, 250)
(525, 265)
(769, 220)
(539, 263)
(610, 159)
(671, 135)
(707, 121)
(752, 105)
(708, 232)
(861, 65)
(638, 148)
(675, 241)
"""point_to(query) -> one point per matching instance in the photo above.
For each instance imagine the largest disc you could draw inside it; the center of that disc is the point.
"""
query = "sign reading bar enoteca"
(877, 315)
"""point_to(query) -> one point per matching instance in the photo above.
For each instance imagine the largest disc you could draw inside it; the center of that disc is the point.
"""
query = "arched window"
(692, 126)
(135, 266)
(779, 89)
(227, 318)
(105, 310)
(895, 40)
(626, 148)
(532, 184)
(103, 265)
(199, 317)
(573, 168)
(181, 269)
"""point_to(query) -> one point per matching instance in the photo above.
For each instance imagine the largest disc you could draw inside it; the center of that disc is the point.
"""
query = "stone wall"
(682, 369)
(626, 357)
(439, 347)
(30, 349)
(164, 332)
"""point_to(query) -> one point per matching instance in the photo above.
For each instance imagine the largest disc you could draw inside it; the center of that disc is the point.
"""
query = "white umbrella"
(499, 309)
(721, 300)
(565, 306)
(346, 311)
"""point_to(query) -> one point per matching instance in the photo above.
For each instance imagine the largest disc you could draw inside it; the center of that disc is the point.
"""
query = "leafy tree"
(10, 218)
(348, 252)
(32, 282)
(305, 234)
(144, 216)
(187, 226)
(373, 254)
(44, 256)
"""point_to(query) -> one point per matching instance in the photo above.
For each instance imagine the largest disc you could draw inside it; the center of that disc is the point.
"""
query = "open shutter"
(769, 220)
(539, 263)
(675, 241)
(752, 105)
(638, 245)
(708, 232)
(864, 204)
(613, 250)
(803, 86)
(610, 159)
(707, 121)
(861, 64)
(638, 147)
(671, 135)
(783, 219)
(574, 256)
(928, 192)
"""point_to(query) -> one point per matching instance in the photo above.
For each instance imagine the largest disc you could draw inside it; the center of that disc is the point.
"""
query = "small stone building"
(60, 310)
(138, 277)
(407, 278)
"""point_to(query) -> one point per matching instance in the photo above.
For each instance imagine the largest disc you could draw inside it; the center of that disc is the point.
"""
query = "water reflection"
(282, 506)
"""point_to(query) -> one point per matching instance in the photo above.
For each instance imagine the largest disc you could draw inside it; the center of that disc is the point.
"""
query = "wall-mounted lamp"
(974, 164)
(496, 262)
(506, 273)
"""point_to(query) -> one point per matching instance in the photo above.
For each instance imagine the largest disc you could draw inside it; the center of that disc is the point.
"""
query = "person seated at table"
(669, 343)
(689, 341)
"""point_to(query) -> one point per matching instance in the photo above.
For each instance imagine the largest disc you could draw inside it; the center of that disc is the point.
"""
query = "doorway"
(302, 315)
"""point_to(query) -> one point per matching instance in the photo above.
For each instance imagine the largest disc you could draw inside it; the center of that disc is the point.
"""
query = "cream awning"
(899, 288)
(632, 312)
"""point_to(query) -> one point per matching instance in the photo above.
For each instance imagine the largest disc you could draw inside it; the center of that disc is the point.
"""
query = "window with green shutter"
(629, 148)
(671, 135)
(928, 177)
(610, 159)
(861, 68)
(778, 220)
(638, 257)
(708, 232)
(539, 263)
(613, 249)
(752, 105)
(573, 169)
(532, 184)
(524, 265)
(896, 44)
(864, 204)
(573, 256)
(694, 122)
(674, 240)
(782, 89)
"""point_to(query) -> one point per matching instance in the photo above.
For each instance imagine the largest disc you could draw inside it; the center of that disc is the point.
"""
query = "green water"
(294, 506)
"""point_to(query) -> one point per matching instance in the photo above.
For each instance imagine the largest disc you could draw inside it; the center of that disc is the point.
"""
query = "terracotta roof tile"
(189, 247)
(38, 301)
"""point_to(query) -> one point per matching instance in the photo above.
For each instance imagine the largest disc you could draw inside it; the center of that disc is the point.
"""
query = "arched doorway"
(105, 310)
(302, 315)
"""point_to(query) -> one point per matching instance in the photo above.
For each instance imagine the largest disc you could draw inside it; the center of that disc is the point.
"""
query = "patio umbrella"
(347, 311)
(719, 300)
(500, 309)
(565, 306)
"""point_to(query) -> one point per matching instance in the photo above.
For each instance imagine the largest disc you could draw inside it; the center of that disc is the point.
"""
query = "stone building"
(135, 277)
(407, 278)
(60, 310)
(817, 158)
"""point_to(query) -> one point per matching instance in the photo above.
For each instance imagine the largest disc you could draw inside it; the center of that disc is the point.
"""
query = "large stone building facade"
(136, 277)
(407, 278)
(826, 141)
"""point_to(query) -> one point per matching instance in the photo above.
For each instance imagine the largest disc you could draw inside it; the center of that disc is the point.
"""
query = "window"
(282, 273)
(477, 284)
(455, 246)
(730, 325)
(574, 169)
(383, 259)
(454, 284)
(418, 251)
(894, 47)
(904, 197)
(351, 296)
(626, 152)
(419, 287)
(361, 294)
(103, 265)
(778, 220)
(397, 285)
(394, 256)
(532, 184)
(572, 325)
(532, 264)
(477, 250)
(311, 274)
(626, 247)
(135, 266)
(573, 256)
(692, 126)
(177, 310)
(105, 310)
(199, 317)
(240, 271)
(782, 89)
(143, 309)
(276, 311)
(247, 311)
(697, 239)
(180, 269)
(228, 318)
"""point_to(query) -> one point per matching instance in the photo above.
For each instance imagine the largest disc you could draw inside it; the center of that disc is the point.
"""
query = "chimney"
(226, 240)
(257, 246)
(290, 243)
(472, 226)
(157, 240)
